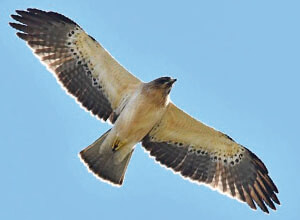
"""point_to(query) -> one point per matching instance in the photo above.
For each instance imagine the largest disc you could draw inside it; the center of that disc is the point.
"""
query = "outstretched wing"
(83, 67)
(202, 154)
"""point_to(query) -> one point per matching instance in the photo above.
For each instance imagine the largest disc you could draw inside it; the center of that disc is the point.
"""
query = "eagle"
(140, 112)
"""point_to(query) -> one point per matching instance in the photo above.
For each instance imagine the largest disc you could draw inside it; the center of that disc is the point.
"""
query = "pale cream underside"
(175, 126)
(116, 80)
(137, 119)
(178, 126)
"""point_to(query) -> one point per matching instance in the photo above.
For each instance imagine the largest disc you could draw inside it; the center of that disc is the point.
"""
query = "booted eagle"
(140, 112)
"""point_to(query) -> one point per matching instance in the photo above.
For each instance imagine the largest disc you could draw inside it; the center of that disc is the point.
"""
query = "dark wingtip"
(15, 25)
(19, 11)
(15, 17)
(275, 187)
(34, 10)
(12, 24)
(22, 12)
(263, 207)
(22, 36)
(275, 199)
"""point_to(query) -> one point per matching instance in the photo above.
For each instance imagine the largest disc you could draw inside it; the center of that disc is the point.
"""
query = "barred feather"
(81, 65)
(207, 156)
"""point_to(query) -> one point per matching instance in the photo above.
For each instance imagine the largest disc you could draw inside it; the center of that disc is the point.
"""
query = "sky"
(237, 69)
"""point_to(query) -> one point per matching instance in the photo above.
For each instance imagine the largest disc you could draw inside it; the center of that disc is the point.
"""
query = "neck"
(157, 96)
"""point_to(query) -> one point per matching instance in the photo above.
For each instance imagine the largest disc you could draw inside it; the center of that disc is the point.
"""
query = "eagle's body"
(140, 112)
(143, 109)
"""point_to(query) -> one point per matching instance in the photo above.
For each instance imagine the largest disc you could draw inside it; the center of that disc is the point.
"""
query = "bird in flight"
(141, 112)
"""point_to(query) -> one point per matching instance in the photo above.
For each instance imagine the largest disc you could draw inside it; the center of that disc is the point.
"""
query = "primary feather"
(83, 67)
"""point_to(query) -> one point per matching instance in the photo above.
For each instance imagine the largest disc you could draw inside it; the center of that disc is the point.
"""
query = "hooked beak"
(171, 82)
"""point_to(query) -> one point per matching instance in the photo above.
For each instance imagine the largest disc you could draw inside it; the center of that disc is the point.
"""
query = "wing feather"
(207, 156)
(83, 67)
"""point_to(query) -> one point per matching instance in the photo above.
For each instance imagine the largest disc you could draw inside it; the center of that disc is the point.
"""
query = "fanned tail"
(102, 161)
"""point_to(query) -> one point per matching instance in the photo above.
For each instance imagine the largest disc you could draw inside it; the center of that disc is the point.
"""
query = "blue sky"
(237, 65)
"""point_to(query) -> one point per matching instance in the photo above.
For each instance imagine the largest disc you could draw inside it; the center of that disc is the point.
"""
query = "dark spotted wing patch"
(55, 39)
(243, 176)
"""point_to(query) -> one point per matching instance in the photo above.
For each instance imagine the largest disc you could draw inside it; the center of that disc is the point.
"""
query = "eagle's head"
(163, 83)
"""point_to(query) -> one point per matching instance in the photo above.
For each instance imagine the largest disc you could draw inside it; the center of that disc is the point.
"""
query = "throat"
(159, 98)
(167, 101)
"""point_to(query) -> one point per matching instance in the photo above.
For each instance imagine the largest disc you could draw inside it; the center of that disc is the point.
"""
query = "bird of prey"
(140, 112)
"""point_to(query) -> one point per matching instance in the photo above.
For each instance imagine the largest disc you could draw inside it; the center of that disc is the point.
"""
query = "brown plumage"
(141, 112)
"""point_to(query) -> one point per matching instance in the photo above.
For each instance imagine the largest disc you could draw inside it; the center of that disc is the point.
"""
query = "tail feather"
(104, 163)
